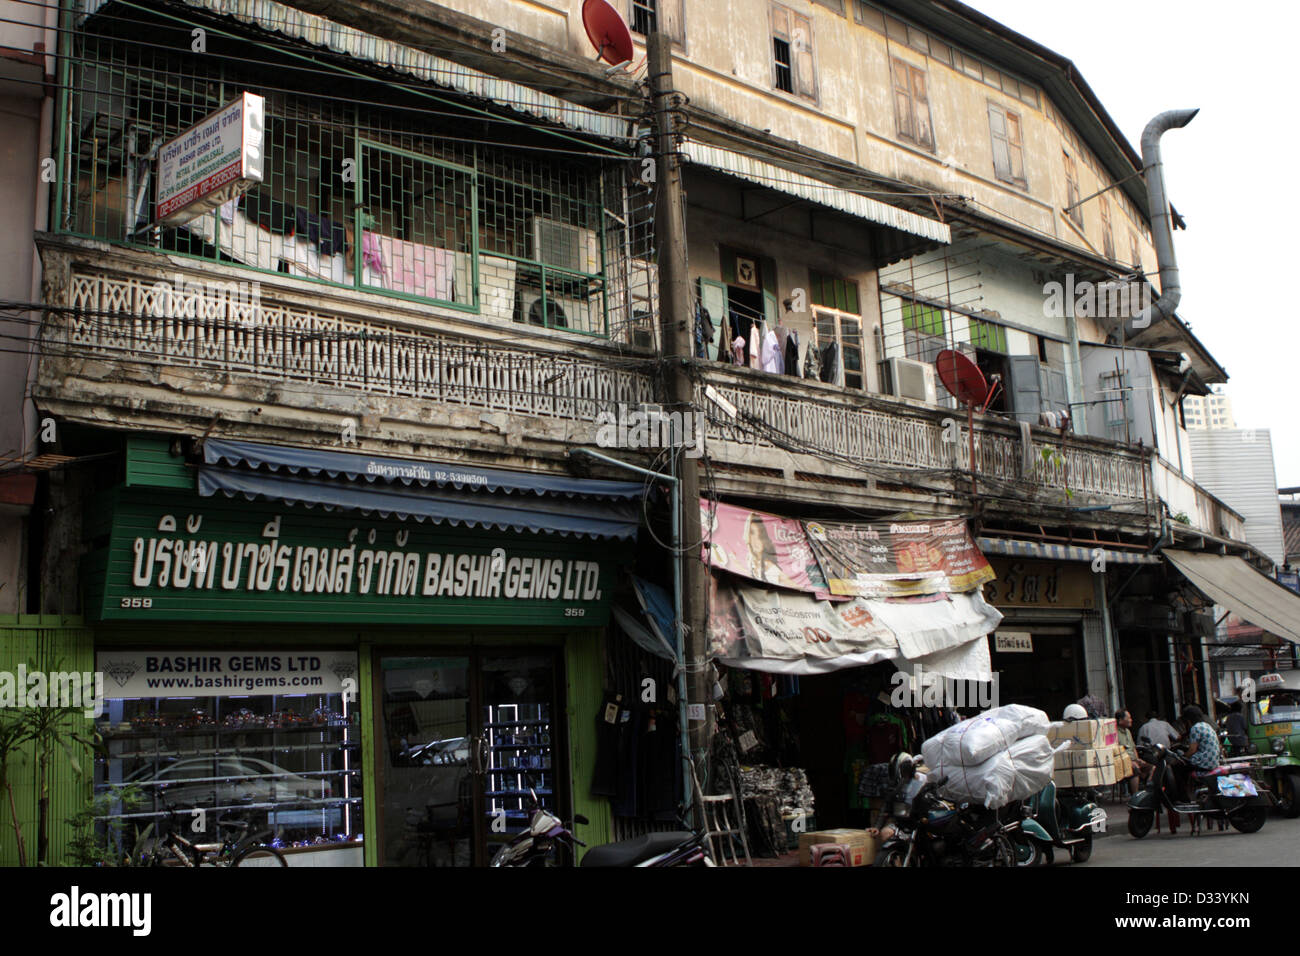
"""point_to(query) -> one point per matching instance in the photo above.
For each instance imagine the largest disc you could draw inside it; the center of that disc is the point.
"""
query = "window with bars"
(792, 53)
(362, 187)
(645, 17)
(912, 105)
(988, 335)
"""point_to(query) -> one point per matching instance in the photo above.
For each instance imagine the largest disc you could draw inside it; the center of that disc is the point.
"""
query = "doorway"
(467, 737)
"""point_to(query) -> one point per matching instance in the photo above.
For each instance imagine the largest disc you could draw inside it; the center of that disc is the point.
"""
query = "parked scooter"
(1065, 821)
(548, 842)
(1228, 793)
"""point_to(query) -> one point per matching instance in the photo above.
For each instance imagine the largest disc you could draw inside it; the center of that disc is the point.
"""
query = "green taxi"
(1273, 728)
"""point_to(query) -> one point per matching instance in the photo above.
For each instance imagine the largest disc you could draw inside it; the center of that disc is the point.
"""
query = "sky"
(1236, 64)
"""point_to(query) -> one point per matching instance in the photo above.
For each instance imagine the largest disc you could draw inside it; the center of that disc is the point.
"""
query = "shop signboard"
(212, 161)
(182, 557)
(760, 546)
(898, 558)
(1013, 642)
(1044, 584)
(209, 673)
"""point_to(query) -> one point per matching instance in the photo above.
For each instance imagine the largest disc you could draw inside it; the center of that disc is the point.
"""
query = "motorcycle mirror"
(580, 819)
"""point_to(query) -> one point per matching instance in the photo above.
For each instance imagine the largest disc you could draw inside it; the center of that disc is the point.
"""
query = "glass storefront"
(289, 762)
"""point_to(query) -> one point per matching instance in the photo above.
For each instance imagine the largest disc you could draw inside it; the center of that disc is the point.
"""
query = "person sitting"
(1157, 731)
(1202, 744)
(1141, 769)
(1235, 725)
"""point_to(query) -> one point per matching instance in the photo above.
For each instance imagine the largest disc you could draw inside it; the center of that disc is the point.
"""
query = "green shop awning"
(423, 490)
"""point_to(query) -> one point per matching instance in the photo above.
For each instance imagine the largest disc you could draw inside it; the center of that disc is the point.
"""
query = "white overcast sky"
(1226, 171)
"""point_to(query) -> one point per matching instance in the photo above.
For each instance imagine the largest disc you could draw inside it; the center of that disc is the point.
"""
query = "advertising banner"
(210, 673)
(760, 546)
(211, 162)
(898, 558)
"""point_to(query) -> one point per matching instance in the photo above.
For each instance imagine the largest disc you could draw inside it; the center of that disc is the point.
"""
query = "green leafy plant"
(1182, 518)
(98, 830)
(14, 735)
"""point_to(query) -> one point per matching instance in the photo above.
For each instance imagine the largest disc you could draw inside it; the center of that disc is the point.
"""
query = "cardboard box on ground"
(862, 845)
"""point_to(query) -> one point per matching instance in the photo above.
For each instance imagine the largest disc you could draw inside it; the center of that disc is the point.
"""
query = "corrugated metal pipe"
(1161, 230)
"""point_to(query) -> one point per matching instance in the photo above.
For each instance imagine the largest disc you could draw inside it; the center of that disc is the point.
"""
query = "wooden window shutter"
(903, 100)
(921, 106)
(1015, 148)
(1001, 143)
(801, 53)
(674, 17)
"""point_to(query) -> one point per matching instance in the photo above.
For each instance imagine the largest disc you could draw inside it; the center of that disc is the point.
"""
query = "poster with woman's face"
(760, 546)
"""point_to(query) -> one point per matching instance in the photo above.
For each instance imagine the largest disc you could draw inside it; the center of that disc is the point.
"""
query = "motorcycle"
(1064, 821)
(929, 831)
(548, 842)
(1228, 793)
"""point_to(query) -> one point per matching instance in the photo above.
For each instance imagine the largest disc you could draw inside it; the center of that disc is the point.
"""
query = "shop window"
(287, 762)
(792, 53)
(912, 105)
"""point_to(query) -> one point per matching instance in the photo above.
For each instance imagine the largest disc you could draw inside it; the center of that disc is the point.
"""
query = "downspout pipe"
(1161, 227)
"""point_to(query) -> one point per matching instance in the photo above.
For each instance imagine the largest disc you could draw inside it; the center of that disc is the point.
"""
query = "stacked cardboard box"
(1123, 763)
(862, 845)
(1090, 757)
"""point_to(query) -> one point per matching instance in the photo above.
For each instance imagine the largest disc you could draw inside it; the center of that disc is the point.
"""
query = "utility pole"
(676, 317)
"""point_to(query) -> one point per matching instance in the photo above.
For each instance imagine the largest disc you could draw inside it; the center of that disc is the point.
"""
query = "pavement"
(1276, 844)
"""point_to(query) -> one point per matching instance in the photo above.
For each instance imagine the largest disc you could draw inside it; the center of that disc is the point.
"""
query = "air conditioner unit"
(909, 378)
(562, 312)
(566, 247)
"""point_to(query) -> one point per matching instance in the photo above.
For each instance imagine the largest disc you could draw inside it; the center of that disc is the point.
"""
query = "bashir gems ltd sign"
(212, 162)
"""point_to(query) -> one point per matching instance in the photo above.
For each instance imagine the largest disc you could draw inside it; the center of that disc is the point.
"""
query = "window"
(912, 105)
(988, 335)
(792, 53)
(651, 16)
(924, 334)
(1008, 148)
(1107, 234)
(842, 325)
(1072, 194)
(1135, 252)
(841, 294)
(645, 17)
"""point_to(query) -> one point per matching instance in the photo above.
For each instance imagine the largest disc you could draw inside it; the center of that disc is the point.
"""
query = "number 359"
(137, 602)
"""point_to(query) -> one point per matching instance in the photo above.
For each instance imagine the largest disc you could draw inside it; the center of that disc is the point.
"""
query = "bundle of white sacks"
(996, 758)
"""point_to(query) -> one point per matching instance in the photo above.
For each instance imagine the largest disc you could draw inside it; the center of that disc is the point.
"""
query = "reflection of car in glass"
(453, 750)
(1273, 726)
(227, 781)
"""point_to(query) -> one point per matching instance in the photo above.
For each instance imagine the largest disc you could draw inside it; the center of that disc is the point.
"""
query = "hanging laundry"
(703, 330)
(812, 362)
(830, 370)
(755, 346)
(371, 254)
(773, 358)
(792, 354)
(738, 347)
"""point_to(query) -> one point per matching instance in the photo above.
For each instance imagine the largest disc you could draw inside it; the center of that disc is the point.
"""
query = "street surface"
(1277, 844)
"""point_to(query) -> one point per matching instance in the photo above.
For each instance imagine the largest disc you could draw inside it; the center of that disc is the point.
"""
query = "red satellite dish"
(962, 378)
(607, 31)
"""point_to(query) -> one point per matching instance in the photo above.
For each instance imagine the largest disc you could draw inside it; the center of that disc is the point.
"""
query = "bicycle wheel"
(260, 856)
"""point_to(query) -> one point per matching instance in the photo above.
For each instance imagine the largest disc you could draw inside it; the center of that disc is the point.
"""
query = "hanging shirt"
(738, 347)
(773, 359)
(830, 370)
(755, 337)
(792, 353)
(812, 362)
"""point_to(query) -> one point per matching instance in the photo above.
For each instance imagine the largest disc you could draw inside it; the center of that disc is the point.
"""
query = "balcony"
(307, 354)
(1203, 511)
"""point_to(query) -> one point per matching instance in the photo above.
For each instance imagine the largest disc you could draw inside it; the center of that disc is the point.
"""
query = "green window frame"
(834, 293)
(988, 335)
(926, 319)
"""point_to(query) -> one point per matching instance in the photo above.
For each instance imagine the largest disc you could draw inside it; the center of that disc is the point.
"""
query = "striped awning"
(814, 190)
(1062, 552)
(297, 24)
